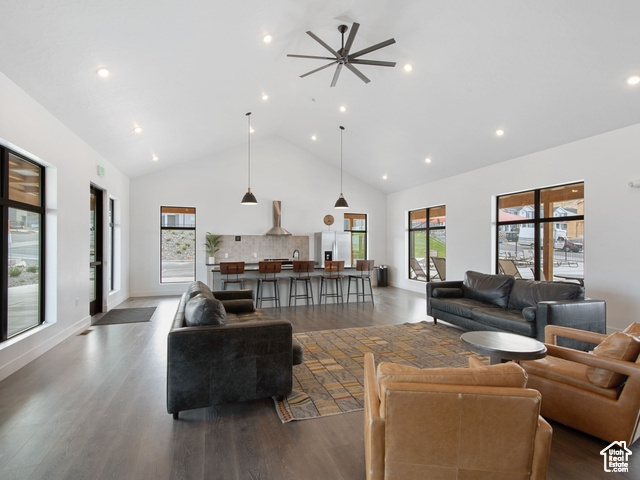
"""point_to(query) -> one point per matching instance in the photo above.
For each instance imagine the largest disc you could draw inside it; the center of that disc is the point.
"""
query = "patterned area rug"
(330, 381)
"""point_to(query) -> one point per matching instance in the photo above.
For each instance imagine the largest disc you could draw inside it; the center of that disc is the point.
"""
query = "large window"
(540, 233)
(22, 225)
(356, 223)
(428, 244)
(177, 244)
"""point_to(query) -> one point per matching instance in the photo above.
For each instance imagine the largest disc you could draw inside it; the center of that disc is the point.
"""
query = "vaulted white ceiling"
(546, 72)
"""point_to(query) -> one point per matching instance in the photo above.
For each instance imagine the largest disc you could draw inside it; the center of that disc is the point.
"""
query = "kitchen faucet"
(296, 254)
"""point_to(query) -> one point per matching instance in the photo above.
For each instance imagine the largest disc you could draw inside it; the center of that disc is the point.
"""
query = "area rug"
(126, 315)
(330, 381)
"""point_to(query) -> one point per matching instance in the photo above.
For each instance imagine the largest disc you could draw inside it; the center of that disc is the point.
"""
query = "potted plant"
(212, 245)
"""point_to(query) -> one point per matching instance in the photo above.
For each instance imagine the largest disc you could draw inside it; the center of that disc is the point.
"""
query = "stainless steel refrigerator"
(330, 245)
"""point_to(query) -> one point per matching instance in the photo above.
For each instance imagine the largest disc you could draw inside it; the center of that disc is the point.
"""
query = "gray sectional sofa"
(504, 303)
(221, 349)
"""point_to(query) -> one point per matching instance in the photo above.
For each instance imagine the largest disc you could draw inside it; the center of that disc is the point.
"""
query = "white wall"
(28, 128)
(307, 187)
(606, 163)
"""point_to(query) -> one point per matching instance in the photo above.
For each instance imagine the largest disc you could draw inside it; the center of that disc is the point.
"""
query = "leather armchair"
(476, 423)
(570, 397)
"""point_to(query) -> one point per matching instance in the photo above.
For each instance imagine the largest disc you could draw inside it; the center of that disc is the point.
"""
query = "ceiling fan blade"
(358, 73)
(336, 75)
(309, 56)
(351, 38)
(321, 42)
(378, 63)
(318, 69)
(373, 48)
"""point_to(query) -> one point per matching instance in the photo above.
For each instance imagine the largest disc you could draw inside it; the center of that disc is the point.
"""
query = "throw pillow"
(633, 329)
(529, 313)
(446, 293)
(619, 346)
(487, 288)
(204, 310)
(198, 287)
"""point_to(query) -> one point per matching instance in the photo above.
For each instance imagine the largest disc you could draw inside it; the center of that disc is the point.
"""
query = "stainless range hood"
(277, 221)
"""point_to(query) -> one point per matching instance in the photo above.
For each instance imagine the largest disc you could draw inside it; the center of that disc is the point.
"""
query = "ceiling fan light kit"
(343, 57)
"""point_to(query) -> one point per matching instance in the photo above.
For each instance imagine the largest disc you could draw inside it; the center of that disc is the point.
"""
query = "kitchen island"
(251, 275)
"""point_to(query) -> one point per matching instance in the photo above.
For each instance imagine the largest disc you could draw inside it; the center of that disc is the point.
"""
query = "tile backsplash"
(263, 246)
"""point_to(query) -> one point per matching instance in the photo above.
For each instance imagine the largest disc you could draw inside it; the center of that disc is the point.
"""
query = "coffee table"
(502, 346)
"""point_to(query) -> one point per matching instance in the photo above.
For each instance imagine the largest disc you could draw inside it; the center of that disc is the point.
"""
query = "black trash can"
(382, 275)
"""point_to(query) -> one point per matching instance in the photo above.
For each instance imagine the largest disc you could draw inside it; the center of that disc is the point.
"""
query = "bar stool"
(332, 269)
(232, 271)
(364, 269)
(269, 270)
(303, 270)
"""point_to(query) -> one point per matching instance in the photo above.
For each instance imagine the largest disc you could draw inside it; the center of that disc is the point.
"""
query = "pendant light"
(341, 202)
(249, 198)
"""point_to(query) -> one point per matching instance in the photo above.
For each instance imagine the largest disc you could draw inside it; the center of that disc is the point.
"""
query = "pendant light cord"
(249, 151)
(341, 131)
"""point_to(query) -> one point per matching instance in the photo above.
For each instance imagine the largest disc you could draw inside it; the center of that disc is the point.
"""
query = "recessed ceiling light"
(137, 129)
(634, 80)
(267, 38)
(251, 130)
(499, 132)
(154, 157)
(265, 97)
(343, 108)
(314, 138)
(427, 160)
(408, 67)
(384, 177)
(102, 72)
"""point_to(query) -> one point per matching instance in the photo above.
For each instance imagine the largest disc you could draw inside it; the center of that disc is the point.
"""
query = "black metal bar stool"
(332, 269)
(269, 270)
(364, 269)
(232, 272)
(303, 270)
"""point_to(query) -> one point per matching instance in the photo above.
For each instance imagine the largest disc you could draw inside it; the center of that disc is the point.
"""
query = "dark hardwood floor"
(94, 408)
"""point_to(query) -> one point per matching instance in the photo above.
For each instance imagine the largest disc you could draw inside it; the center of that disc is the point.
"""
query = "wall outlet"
(255, 255)
(226, 255)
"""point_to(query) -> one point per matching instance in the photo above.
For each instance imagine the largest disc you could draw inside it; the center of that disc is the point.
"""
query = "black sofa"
(504, 303)
(221, 349)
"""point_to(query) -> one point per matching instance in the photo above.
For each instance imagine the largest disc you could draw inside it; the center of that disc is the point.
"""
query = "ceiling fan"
(343, 57)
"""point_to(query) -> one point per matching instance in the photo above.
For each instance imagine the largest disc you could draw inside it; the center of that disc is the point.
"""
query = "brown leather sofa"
(574, 391)
(478, 423)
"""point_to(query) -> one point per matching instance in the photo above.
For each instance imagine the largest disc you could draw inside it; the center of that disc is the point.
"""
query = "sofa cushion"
(619, 346)
(493, 289)
(458, 306)
(240, 305)
(204, 310)
(198, 287)
(504, 319)
(527, 293)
